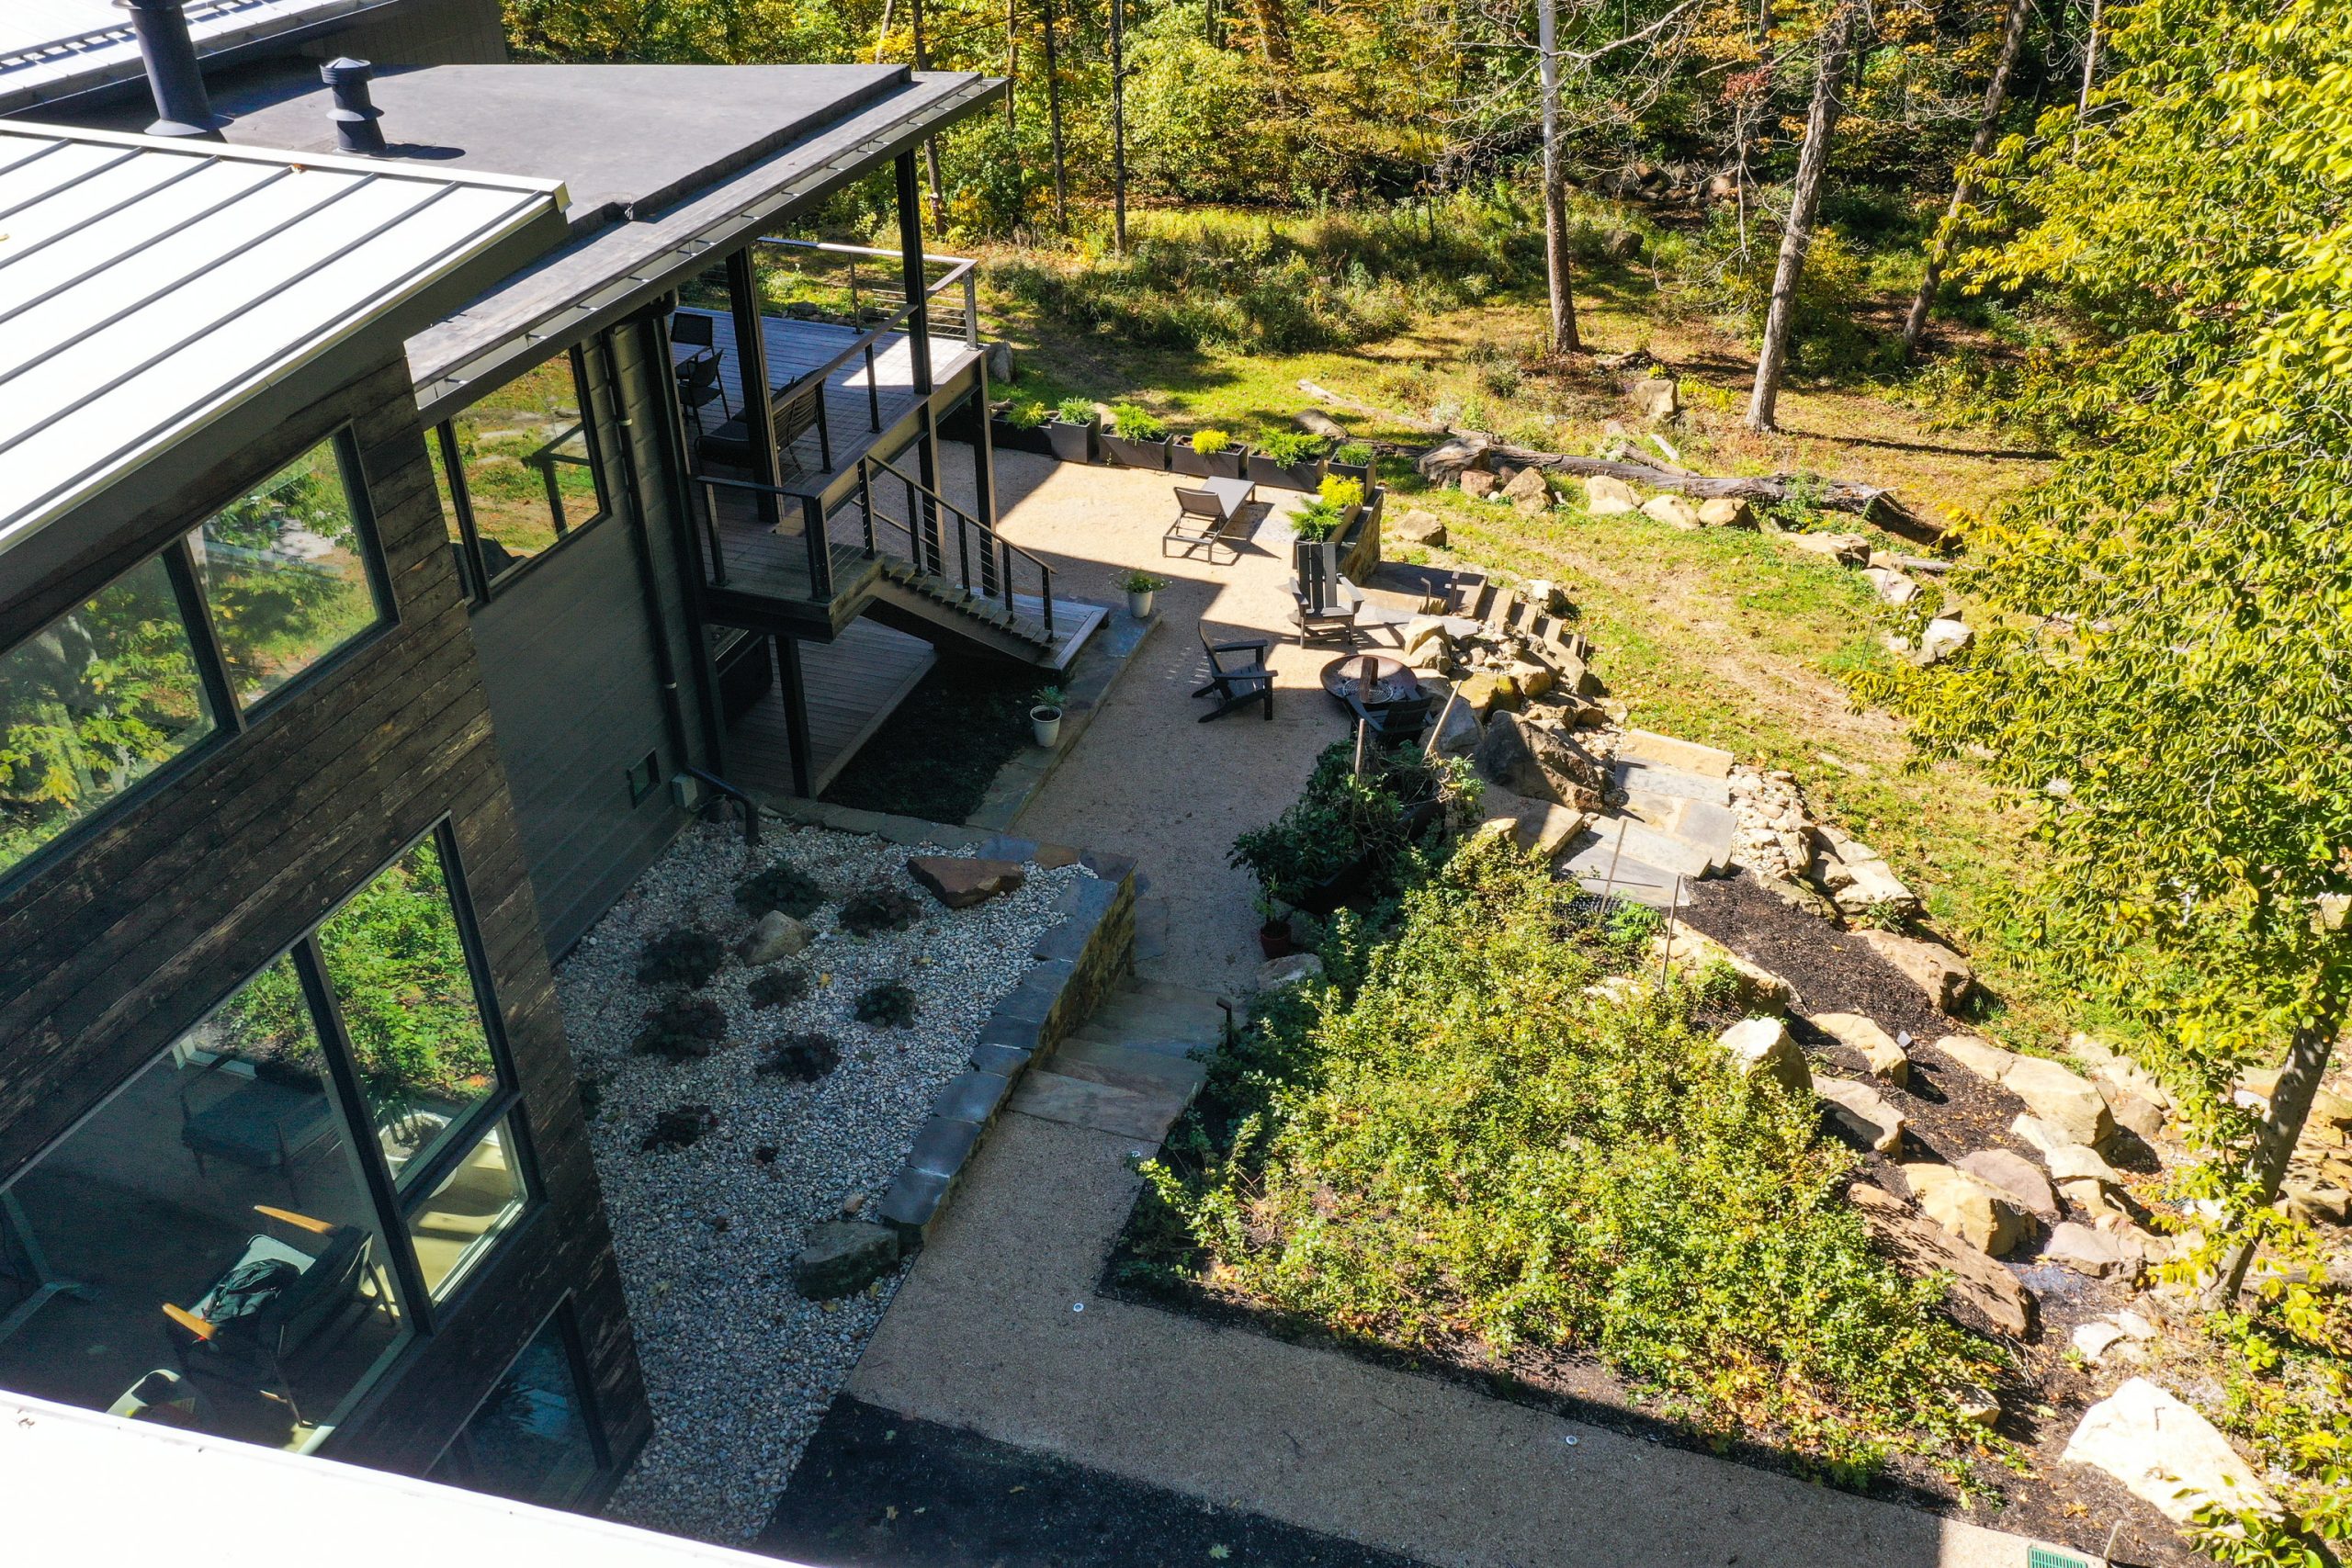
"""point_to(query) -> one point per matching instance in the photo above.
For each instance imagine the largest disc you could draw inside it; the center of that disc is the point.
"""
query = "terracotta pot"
(1274, 939)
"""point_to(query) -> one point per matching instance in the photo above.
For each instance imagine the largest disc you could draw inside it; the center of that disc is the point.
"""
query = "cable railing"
(886, 286)
(927, 546)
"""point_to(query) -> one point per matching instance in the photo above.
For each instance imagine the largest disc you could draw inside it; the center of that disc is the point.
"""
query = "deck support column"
(918, 350)
(751, 364)
(795, 715)
(983, 446)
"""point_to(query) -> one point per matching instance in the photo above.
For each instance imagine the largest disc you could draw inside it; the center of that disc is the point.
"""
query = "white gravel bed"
(738, 1366)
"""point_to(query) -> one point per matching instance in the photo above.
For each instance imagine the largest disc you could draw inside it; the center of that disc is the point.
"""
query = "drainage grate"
(2044, 1557)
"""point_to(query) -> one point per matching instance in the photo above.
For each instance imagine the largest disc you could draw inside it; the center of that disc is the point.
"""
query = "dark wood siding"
(569, 662)
(112, 952)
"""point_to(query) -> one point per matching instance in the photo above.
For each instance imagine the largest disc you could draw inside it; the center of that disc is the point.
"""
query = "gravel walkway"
(739, 1367)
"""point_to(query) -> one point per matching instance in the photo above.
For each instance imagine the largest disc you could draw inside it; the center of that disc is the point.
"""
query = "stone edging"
(1074, 966)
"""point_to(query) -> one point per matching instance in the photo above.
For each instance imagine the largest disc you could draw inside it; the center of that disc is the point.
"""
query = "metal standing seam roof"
(149, 286)
(52, 49)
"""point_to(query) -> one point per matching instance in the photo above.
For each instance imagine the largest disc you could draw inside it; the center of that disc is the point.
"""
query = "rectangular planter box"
(1072, 442)
(1007, 436)
(1132, 453)
(1305, 476)
(1360, 472)
(1224, 464)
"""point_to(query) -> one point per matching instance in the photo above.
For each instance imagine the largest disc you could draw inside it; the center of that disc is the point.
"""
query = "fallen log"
(1443, 463)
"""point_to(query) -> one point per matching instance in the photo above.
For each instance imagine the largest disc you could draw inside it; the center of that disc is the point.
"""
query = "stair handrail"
(998, 553)
(813, 537)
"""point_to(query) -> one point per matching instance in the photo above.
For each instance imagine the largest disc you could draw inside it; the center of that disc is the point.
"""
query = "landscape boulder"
(1540, 763)
(2014, 1177)
(960, 882)
(1726, 512)
(1528, 491)
(1863, 1112)
(2070, 1105)
(1982, 1057)
(1763, 1045)
(1656, 399)
(1981, 1293)
(1416, 527)
(1542, 827)
(1476, 482)
(1621, 244)
(1983, 1216)
(1488, 691)
(1458, 731)
(2167, 1455)
(1692, 951)
(1846, 549)
(1675, 511)
(842, 1256)
(1884, 1058)
(2099, 1254)
(1942, 976)
(1943, 637)
(1891, 585)
(1293, 969)
(1605, 497)
(776, 935)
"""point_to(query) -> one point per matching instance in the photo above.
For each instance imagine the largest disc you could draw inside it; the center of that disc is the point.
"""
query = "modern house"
(391, 563)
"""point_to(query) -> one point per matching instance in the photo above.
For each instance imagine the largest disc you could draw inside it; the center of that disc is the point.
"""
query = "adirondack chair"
(1239, 684)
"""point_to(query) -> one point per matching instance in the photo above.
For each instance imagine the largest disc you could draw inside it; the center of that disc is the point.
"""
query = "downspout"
(665, 667)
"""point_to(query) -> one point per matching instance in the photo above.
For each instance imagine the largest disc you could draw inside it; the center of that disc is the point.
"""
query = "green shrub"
(804, 1056)
(879, 908)
(1291, 448)
(1137, 423)
(1356, 454)
(1472, 1146)
(888, 1003)
(687, 956)
(1075, 410)
(1209, 443)
(1341, 819)
(1025, 414)
(779, 986)
(1338, 493)
(1139, 582)
(680, 1025)
(783, 885)
(1315, 522)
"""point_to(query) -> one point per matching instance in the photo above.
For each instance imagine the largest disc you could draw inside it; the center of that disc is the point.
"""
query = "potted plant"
(1135, 439)
(1072, 431)
(1020, 426)
(1321, 523)
(1142, 588)
(1291, 458)
(1045, 716)
(1354, 461)
(1273, 928)
(1211, 454)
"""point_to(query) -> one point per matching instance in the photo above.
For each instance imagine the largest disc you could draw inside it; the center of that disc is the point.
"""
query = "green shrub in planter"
(1209, 443)
(1355, 453)
(1351, 836)
(1072, 432)
(1075, 410)
(1025, 414)
(1291, 458)
(1135, 439)
(1339, 492)
(1318, 521)
(1210, 454)
(1020, 426)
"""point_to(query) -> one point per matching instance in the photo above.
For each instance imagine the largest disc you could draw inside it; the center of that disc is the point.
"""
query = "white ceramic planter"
(1139, 604)
(1045, 723)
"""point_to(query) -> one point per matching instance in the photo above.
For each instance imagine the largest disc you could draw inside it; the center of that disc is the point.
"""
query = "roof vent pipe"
(181, 108)
(354, 115)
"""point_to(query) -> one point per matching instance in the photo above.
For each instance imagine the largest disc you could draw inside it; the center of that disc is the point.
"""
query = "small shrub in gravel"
(886, 1002)
(880, 907)
(679, 1126)
(682, 957)
(804, 1056)
(783, 885)
(681, 1026)
(779, 986)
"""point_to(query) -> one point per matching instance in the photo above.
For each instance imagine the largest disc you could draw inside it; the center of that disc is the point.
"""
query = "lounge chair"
(1202, 518)
(1237, 685)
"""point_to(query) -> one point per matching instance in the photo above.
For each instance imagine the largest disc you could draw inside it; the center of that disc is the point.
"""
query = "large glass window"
(285, 574)
(531, 1441)
(91, 705)
(519, 470)
(397, 964)
(203, 1250)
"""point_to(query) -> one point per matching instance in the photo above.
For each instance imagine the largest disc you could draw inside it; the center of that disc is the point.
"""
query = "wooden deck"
(854, 683)
(857, 406)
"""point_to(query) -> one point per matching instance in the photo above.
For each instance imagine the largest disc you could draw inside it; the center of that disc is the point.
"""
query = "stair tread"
(1090, 1042)
(1079, 1102)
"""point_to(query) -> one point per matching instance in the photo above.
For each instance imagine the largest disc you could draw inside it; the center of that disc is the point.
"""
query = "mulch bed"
(937, 753)
(1951, 1112)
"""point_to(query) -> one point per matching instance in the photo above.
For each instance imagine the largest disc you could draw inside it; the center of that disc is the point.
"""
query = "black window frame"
(565, 1319)
(230, 718)
(474, 578)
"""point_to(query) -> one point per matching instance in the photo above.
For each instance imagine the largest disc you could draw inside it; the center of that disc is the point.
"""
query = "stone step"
(1710, 827)
(1123, 1066)
(1657, 778)
(1178, 1050)
(1080, 1102)
(1642, 842)
(1635, 881)
(1643, 746)
(1152, 1009)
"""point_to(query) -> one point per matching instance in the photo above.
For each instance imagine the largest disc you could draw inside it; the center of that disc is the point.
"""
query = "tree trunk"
(1564, 339)
(882, 33)
(931, 143)
(1964, 190)
(1805, 202)
(1118, 126)
(2282, 1127)
(1011, 59)
(1054, 124)
(1273, 30)
(2090, 71)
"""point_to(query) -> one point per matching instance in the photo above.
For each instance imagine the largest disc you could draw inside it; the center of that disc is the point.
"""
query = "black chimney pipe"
(355, 114)
(181, 108)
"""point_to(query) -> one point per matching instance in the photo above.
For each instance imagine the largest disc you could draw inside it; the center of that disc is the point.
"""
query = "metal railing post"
(971, 309)
(1047, 572)
(821, 555)
(873, 391)
(865, 499)
(824, 431)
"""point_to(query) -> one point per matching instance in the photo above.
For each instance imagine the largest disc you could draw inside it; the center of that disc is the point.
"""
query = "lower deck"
(854, 683)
